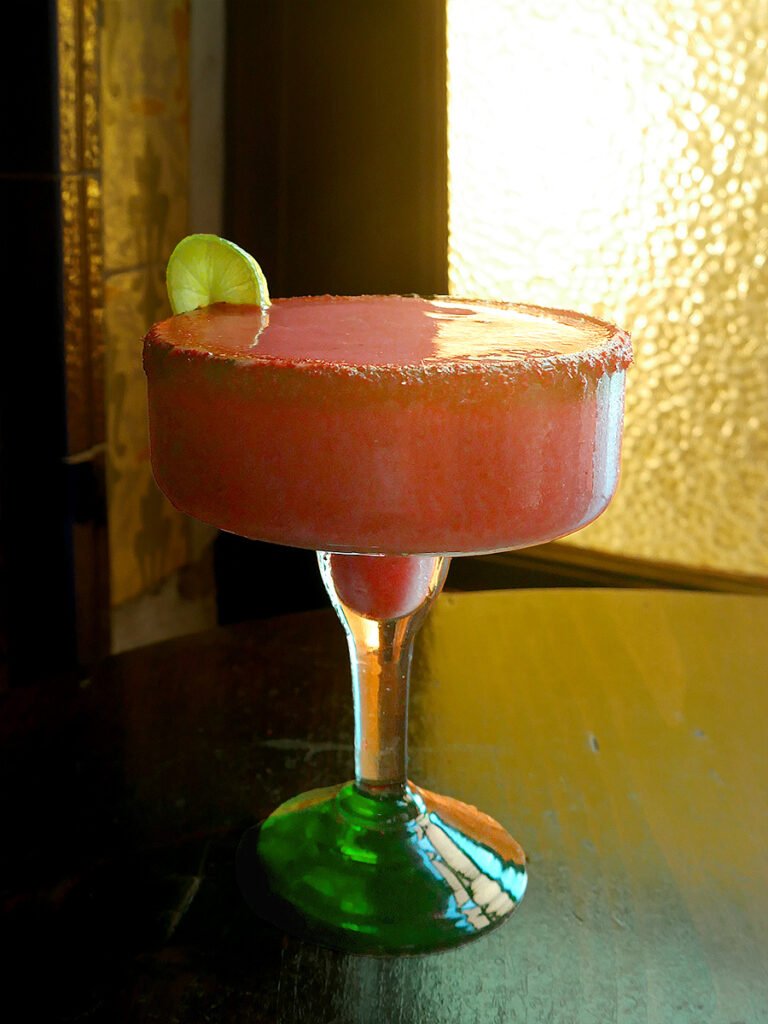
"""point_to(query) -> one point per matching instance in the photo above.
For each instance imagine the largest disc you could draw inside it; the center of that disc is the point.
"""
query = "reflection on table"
(618, 734)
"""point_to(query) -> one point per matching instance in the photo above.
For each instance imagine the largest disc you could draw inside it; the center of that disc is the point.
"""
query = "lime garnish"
(204, 269)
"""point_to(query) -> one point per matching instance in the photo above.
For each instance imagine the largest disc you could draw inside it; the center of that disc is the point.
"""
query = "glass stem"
(382, 601)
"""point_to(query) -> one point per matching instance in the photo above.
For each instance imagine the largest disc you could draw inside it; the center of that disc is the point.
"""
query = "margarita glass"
(388, 433)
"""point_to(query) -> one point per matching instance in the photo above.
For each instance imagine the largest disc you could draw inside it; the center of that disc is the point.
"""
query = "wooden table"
(620, 735)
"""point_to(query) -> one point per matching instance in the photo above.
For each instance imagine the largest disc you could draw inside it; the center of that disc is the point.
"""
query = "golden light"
(613, 158)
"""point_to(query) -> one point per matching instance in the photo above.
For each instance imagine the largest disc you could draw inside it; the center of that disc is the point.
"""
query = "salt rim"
(609, 356)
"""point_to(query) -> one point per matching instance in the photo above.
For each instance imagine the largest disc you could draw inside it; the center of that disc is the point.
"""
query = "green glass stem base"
(407, 873)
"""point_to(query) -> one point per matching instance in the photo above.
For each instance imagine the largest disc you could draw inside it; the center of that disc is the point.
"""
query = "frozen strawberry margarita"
(387, 424)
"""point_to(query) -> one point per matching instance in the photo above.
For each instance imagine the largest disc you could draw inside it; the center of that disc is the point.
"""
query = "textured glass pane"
(612, 157)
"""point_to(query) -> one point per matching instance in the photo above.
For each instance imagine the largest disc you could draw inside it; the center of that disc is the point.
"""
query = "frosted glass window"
(613, 158)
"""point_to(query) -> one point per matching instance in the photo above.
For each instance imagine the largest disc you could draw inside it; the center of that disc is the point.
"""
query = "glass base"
(407, 873)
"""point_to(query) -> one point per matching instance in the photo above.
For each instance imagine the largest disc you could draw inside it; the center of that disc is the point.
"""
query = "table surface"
(620, 736)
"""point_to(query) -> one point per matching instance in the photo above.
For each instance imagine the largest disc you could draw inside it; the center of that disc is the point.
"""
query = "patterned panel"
(614, 158)
(82, 272)
(145, 109)
(145, 100)
(147, 538)
(90, 82)
(77, 26)
(83, 301)
(69, 51)
(81, 203)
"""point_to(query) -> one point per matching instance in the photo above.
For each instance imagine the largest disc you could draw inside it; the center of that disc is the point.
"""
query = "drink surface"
(388, 330)
(387, 424)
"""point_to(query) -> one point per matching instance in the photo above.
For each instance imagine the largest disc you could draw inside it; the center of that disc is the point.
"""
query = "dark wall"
(37, 617)
(336, 181)
(336, 143)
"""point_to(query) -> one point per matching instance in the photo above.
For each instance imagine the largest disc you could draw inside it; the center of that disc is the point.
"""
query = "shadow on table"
(166, 936)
